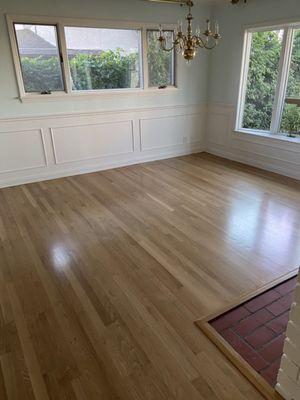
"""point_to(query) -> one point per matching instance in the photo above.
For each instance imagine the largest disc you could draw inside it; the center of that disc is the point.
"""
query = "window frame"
(60, 24)
(283, 75)
(59, 53)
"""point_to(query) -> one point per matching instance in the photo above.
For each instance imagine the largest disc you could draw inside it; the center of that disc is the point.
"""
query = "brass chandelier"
(188, 43)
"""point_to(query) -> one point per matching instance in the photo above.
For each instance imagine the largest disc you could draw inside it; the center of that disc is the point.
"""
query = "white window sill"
(56, 96)
(268, 135)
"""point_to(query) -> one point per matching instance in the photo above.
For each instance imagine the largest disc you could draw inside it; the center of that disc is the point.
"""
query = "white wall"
(225, 65)
(289, 374)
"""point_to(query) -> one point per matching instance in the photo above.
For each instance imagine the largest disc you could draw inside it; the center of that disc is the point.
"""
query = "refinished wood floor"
(102, 276)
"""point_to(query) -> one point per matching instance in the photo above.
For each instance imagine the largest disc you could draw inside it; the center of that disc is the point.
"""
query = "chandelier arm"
(199, 41)
(210, 47)
(163, 46)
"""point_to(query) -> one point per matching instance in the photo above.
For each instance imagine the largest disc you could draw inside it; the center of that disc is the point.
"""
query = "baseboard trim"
(56, 172)
(268, 166)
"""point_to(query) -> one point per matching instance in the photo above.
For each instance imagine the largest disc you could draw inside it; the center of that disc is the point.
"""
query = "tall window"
(270, 93)
(39, 57)
(72, 58)
(104, 58)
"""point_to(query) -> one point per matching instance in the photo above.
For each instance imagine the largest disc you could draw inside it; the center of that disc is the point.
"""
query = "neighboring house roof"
(31, 44)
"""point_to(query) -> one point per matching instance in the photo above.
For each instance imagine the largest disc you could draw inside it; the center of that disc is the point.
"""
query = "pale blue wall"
(213, 76)
(194, 77)
(225, 61)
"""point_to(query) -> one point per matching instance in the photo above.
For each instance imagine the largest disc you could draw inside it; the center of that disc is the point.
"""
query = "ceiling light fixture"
(188, 43)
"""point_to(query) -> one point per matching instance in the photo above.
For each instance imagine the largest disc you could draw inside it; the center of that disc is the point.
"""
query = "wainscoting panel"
(22, 150)
(45, 147)
(162, 132)
(266, 152)
(84, 142)
(218, 128)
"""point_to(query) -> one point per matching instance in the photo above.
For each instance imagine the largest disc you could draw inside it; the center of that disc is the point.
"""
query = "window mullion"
(64, 57)
(145, 58)
(244, 79)
(282, 80)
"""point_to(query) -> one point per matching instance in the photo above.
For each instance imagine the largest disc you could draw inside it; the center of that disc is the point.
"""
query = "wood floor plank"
(103, 275)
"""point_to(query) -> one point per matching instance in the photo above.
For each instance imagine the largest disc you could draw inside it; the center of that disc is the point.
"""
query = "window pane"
(262, 79)
(290, 122)
(39, 56)
(160, 63)
(104, 58)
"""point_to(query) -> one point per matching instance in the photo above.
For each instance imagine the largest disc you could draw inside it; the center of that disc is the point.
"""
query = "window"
(39, 57)
(62, 58)
(160, 63)
(104, 58)
(270, 88)
(290, 121)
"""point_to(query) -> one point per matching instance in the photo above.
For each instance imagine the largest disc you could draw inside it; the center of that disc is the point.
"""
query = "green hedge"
(108, 70)
(41, 74)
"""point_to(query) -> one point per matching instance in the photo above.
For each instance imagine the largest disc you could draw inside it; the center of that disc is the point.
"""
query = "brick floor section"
(256, 329)
(260, 337)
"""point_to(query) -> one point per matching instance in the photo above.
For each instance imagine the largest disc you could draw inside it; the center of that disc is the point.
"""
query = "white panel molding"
(219, 137)
(214, 128)
(15, 157)
(112, 140)
(183, 132)
(109, 125)
(273, 154)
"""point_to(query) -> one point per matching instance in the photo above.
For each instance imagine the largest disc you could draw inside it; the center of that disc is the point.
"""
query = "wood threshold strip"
(254, 377)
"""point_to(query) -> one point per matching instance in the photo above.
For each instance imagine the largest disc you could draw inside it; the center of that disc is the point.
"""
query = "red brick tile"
(260, 337)
(270, 373)
(287, 286)
(281, 305)
(273, 350)
(262, 300)
(254, 321)
(252, 357)
(251, 329)
(279, 324)
(230, 318)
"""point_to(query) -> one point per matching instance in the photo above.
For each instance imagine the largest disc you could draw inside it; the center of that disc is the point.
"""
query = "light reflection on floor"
(266, 227)
(60, 257)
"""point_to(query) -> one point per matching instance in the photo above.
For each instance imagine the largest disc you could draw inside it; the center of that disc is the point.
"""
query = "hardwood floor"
(102, 276)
